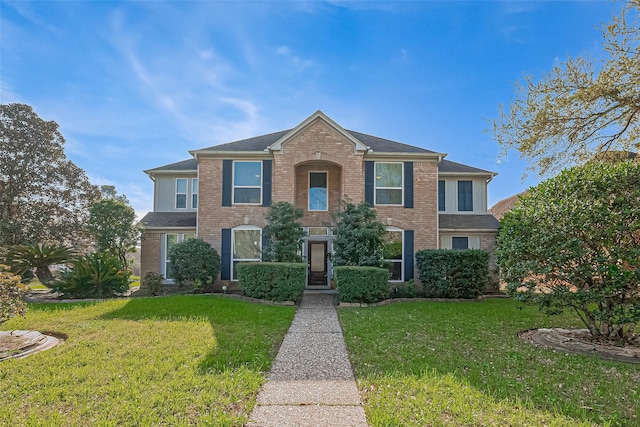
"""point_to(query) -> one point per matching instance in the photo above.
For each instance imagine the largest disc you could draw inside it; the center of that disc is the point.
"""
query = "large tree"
(359, 236)
(112, 225)
(582, 108)
(44, 197)
(573, 243)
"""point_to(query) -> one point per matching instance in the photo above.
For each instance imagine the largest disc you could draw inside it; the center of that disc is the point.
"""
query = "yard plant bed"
(442, 364)
(181, 360)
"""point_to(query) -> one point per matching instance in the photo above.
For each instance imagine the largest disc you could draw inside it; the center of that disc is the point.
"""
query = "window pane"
(441, 205)
(181, 185)
(194, 201)
(389, 197)
(465, 195)
(194, 185)
(389, 175)
(246, 244)
(247, 174)
(246, 195)
(181, 201)
(317, 231)
(393, 245)
(460, 243)
(396, 270)
(172, 239)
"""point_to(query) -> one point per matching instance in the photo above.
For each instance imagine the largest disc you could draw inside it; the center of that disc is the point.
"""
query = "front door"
(317, 256)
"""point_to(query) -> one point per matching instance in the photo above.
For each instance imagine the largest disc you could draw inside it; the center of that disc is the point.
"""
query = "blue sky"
(135, 85)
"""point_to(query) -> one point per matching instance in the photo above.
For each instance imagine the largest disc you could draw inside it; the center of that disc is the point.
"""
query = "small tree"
(194, 261)
(573, 242)
(11, 291)
(40, 258)
(359, 236)
(112, 224)
(283, 233)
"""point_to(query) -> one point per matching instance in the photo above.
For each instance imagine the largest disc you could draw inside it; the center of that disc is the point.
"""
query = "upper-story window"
(194, 193)
(388, 179)
(441, 196)
(465, 195)
(181, 193)
(318, 194)
(247, 182)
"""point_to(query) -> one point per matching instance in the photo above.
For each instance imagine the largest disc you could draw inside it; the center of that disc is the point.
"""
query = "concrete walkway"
(311, 382)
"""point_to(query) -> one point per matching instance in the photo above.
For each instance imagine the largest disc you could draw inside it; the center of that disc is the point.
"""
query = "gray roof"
(169, 219)
(259, 143)
(468, 222)
(184, 165)
(453, 167)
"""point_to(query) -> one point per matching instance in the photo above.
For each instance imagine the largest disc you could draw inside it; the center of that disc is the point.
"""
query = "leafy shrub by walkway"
(274, 281)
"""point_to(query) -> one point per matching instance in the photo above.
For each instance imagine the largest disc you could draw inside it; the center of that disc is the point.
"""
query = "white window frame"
(180, 237)
(233, 243)
(194, 193)
(401, 261)
(186, 192)
(234, 186)
(376, 188)
(326, 174)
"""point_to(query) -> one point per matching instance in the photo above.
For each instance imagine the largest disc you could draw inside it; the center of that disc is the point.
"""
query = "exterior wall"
(165, 193)
(150, 247)
(451, 194)
(301, 194)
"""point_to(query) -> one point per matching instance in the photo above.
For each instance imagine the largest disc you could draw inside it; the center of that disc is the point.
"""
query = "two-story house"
(222, 194)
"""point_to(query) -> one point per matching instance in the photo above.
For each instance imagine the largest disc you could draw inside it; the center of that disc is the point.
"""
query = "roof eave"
(382, 154)
(229, 153)
(470, 230)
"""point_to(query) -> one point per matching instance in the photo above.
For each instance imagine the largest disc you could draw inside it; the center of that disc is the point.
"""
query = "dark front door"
(317, 256)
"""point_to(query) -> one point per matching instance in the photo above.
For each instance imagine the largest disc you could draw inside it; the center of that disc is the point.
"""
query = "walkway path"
(311, 382)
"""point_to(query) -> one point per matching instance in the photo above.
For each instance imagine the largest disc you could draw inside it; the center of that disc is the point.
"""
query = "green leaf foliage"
(283, 233)
(153, 282)
(273, 281)
(112, 225)
(194, 261)
(359, 236)
(453, 273)
(99, 275)
(361, 284)
(11, 292)
(573, 242)
(39, 257)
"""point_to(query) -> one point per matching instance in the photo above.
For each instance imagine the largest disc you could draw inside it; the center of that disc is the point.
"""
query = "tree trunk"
(44, 275)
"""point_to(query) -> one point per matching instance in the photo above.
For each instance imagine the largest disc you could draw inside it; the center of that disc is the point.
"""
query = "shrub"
(153, 282)
(275, 281)
(359, 236)
(39, 257)
(11, 291)
(403, 290)
(361, 284)
(453, 273)
(99, 275)
(283, 233)
(194, 260)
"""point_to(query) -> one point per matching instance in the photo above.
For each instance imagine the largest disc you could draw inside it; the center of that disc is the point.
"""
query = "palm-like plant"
(40, 257)
(99, 275)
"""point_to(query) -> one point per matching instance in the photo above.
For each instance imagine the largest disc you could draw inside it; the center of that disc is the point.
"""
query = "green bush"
(153, 282)
(453, 273)
(11, 292)
(361, 284)
(194, 262)
(403, 290)
(275, 281)
(99, 275)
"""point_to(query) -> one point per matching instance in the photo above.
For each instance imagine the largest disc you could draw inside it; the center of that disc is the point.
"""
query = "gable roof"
(468, 222)
(447, 166)
(169, 220)
(505, 205)
(181, 166)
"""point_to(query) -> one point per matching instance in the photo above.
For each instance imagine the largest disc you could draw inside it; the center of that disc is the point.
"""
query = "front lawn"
(462, 364)
(182, 360)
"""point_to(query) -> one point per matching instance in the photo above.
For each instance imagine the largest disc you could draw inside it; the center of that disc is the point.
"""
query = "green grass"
(182, 360)
(462, 364)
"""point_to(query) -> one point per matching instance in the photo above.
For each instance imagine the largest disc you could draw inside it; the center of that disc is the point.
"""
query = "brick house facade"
(222, 194)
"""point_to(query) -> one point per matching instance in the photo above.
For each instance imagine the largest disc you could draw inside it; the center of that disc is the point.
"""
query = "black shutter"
(227, 178)
(266, 183)
(408, 254)
(408, 184)
(369, 172)
(225, 255)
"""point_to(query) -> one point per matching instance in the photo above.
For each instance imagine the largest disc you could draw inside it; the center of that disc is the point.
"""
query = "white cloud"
(296, 61)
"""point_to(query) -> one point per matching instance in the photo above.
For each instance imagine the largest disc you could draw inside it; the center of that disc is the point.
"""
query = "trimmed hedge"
(446, 273)
(275, 281)
(361, 284)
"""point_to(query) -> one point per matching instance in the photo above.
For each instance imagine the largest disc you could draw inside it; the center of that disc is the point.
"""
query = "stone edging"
(401, 300)
(29, 342)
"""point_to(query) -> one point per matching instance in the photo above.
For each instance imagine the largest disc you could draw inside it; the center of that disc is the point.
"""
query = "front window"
(393, 253)
(465, 195)
(170, 240)
(441, 200)
(459, 243)
(181, 193)
(388, 184)
(318, 200)
(247, 182)
(246, 246)
(194, 193)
